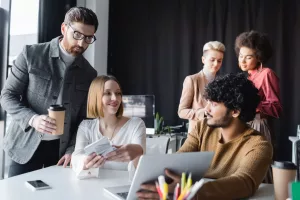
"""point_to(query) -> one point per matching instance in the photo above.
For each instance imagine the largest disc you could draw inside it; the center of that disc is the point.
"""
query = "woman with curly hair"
(254, 50)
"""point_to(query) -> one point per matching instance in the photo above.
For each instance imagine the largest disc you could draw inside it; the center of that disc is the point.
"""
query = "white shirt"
(132, 132)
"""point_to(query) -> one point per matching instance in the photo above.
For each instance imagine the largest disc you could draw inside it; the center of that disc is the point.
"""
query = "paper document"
(100, 147)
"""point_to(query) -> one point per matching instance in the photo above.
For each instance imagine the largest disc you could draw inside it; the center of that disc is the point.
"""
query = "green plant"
(158, 125)
(158, 122)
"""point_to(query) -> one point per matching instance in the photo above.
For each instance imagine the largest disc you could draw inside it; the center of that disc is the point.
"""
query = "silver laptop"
(152, 166)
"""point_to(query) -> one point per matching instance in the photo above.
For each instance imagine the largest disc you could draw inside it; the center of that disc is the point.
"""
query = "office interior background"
(152, 45)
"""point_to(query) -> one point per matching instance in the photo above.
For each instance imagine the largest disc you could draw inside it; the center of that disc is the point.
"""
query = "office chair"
(181, 142)
(157, 145)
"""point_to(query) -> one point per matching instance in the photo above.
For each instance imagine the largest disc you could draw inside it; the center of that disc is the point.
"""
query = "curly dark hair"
(83, 15)
(236, 92)
(256, 41)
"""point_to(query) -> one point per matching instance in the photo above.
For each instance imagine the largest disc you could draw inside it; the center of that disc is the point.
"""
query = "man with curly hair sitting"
(242, 155)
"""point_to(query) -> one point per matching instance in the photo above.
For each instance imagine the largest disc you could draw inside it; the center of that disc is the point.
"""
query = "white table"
(65, 186)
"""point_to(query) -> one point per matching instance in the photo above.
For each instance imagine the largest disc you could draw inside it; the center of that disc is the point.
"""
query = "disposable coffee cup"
(57, 112)
(284, 172)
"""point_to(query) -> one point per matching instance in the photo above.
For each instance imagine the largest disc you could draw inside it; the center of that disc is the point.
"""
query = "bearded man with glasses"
(82, 41)
(44, 74)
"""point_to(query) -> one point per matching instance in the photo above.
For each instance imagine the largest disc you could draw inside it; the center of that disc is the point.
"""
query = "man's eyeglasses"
(79, 36)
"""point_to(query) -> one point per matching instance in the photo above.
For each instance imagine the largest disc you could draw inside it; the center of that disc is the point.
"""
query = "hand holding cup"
(44, 124)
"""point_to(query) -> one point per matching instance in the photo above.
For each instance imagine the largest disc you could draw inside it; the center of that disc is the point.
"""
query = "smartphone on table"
(37, 185)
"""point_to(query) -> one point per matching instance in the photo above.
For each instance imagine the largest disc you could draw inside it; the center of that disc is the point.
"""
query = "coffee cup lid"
(57, 107)
(284, 165)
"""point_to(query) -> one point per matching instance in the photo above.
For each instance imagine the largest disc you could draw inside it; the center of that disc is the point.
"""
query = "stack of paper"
(100, 147)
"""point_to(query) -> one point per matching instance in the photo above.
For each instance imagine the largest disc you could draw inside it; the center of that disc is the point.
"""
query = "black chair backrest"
(182, 140)
(298, 159)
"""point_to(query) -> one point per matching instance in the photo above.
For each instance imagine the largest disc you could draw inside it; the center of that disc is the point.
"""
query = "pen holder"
(169, 197)
(185, 190)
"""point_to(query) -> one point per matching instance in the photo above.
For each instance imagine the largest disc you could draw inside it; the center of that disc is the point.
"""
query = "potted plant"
(159, 125)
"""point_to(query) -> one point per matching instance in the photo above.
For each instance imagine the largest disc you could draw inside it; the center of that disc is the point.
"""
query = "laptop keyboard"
(123, 194)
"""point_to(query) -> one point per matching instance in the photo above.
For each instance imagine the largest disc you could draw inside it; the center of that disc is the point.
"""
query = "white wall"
(96, 54)
(17, 42)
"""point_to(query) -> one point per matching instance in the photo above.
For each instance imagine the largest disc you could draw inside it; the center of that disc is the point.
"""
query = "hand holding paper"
(93, 161)
(125, 153)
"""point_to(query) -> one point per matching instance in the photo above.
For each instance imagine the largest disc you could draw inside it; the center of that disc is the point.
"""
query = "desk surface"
(66, 186)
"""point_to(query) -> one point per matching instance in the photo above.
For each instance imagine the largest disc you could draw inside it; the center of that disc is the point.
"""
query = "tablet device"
(152, 166)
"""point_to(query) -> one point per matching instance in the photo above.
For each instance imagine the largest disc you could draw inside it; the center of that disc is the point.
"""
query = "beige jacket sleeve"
(185, 109)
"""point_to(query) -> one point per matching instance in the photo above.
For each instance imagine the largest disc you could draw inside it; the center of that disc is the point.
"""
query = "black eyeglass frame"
(82, 36)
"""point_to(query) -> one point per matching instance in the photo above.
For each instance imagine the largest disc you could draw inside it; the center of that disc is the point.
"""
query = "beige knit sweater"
(239, 165)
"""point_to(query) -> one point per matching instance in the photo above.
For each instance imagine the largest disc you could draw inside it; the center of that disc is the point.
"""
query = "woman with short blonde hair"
(192, 103)
(214, 45)
(127, 135)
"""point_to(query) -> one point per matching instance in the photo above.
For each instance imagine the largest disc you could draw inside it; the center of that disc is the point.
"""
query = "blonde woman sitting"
(127, 135)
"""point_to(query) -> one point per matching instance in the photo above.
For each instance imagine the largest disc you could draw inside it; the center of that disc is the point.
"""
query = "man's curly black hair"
(236, 92)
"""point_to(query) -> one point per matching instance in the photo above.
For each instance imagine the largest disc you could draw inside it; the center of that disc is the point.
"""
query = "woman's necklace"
(113, 133)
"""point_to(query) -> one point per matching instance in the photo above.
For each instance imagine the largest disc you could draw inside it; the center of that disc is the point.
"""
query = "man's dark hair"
(82, 15)
(256, 41)
(236, 92)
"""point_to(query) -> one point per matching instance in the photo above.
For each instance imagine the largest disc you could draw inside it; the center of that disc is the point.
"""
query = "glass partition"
(4, 42)
(142, 106)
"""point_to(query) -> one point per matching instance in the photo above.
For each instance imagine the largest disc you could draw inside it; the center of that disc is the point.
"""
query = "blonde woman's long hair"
(94, 102)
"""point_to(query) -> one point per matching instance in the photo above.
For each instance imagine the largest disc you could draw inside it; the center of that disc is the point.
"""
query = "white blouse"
(132, 132)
